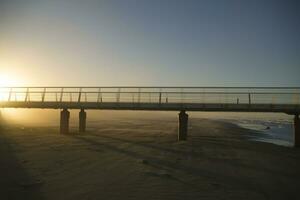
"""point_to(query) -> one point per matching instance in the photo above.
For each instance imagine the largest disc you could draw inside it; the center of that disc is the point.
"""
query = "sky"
(149, 43)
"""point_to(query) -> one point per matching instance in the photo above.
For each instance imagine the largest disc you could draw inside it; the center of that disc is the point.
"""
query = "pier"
(181, 99)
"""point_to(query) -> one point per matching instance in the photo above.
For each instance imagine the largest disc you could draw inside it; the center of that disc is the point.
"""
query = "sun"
(8, 80)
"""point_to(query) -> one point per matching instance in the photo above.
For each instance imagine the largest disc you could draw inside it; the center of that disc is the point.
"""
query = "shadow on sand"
(15, 182)
(168, 165)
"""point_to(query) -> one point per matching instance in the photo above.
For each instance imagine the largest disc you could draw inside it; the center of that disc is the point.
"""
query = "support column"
(82, 120)
(297, 131)
(64, 121)
(182, 125)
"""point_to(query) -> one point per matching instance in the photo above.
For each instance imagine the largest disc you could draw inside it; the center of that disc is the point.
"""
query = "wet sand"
(134, 158)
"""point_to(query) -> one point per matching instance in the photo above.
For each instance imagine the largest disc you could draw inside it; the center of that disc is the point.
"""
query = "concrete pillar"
(64, 121)
(82, 120)
(297, 131)
(182, 125)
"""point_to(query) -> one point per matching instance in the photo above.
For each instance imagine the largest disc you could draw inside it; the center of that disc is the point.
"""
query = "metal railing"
(159, 95)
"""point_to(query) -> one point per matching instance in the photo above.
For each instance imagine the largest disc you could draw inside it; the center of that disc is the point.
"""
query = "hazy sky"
(150, 42)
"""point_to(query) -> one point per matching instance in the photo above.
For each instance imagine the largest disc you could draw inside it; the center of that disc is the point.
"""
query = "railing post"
(61, 94)
(139, 95)
(203, 97)
(249, 98)
(27, 93)
(43, 96)
(273, 100)
(79, 95)
(226, 96)
(132, 97)
(9, 95)
(159, 97)
(118, 95)
(181, 95)
(99, 96)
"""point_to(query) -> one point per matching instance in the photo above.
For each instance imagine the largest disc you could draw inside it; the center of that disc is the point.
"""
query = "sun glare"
(7, 80)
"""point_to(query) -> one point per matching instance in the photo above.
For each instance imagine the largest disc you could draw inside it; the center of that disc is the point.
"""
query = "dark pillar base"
(82, 120)
(64, 121)
(182, 125)
(297, 131)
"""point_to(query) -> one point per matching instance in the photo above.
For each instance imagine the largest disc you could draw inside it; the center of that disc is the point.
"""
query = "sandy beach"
(139, 157)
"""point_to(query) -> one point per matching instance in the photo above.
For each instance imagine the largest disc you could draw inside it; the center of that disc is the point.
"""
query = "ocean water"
(267, 127)
(276, 132)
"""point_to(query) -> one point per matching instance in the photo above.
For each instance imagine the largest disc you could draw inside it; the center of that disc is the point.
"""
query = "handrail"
(70, 92)
(133, 94)
(154, 87)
